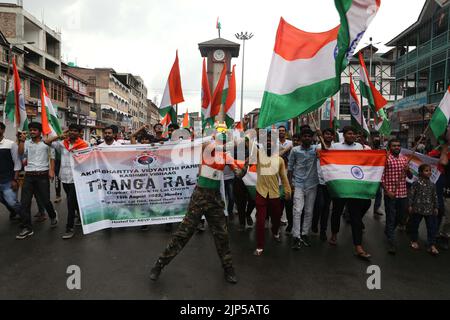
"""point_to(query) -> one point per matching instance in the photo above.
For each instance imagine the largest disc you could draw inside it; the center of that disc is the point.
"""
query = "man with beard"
(395, 192)
(110, 135)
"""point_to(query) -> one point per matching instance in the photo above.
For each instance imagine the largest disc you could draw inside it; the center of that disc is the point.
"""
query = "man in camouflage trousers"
(206, 200)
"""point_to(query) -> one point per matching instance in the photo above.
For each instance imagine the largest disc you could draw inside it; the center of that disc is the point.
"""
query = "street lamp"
(243, 36)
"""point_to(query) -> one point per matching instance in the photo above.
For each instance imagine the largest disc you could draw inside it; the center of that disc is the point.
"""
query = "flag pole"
(7, 82)
(317, 130)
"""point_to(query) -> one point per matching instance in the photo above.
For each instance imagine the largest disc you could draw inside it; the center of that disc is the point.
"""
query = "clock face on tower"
(219, 55)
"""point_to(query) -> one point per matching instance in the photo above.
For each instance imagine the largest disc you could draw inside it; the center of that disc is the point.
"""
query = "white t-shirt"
(114, 144)
(344, 146)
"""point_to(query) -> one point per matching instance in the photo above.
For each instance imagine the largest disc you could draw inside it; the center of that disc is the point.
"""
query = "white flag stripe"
(350, 172)
(287, 76)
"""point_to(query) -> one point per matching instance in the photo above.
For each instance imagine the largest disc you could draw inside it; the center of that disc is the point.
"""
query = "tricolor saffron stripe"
(358, 119)
(230, 103)
(206, 98)
(173, 93)
(353, 174)
(185, 123)
(15, 102)
(306, 67)
(50, 122)
(368, 90)
(441, 116)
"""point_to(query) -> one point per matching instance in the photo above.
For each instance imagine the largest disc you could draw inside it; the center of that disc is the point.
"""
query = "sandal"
(363, 255)
(258, 252)
(332, 242)
(433, 251)
(415, 245)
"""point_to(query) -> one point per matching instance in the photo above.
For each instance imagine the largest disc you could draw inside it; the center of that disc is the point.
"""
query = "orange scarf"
(79, 144)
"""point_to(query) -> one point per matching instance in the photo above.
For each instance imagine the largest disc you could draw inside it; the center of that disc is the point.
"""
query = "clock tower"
(217, 52)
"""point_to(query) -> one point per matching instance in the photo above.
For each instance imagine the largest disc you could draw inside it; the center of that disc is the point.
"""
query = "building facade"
(111, 96)
(41, 59)
(421, 69)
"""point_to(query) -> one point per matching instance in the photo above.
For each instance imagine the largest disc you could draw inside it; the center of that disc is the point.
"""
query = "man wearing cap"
(206, 200)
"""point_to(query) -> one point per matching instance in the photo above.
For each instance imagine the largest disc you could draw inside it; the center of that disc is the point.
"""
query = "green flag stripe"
(353, 189)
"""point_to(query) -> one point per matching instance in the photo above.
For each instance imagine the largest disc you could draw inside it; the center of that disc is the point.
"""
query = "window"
(345, 93)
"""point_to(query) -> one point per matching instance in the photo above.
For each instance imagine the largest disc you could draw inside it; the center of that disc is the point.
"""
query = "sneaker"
(156, 271)
(305, 241)
(249, 221)
(57, 200)
(54, 222)
(24, 233)
(296, 244)
(230, 275)
(69, 234)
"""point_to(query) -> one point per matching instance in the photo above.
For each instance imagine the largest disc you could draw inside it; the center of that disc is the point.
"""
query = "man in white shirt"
(39, 162)
(109, 135)
(71, 142)
(356, 207)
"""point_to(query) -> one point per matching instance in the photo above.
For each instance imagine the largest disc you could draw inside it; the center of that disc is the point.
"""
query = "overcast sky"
(141, 36)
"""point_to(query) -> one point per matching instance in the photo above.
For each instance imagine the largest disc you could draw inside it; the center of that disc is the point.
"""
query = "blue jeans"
(395, 214)
(9, 197)
(431, 222)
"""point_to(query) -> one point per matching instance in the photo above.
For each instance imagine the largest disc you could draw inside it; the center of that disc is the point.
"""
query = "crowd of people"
(289, 184)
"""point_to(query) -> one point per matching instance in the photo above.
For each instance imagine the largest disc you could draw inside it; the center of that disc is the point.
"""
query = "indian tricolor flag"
(173, 93)
(206, 98)
(441, 116)
(15, 110)
(306, 67)
(220, 93)
(368, 90)
(353, 174)
(50, 122)
(358, 119)
(230, 102)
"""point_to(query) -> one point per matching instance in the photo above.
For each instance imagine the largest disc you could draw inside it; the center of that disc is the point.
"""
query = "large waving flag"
(206, 98)
(50, 122)
(441, 116)
(353, 174)
(230, 103)
(306, 67)
(219, 96)
(15, 102)
(368, 90)
(173, 93)
(358, 119)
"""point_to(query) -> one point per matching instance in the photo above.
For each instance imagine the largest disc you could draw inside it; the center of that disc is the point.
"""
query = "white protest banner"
(135, 185)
